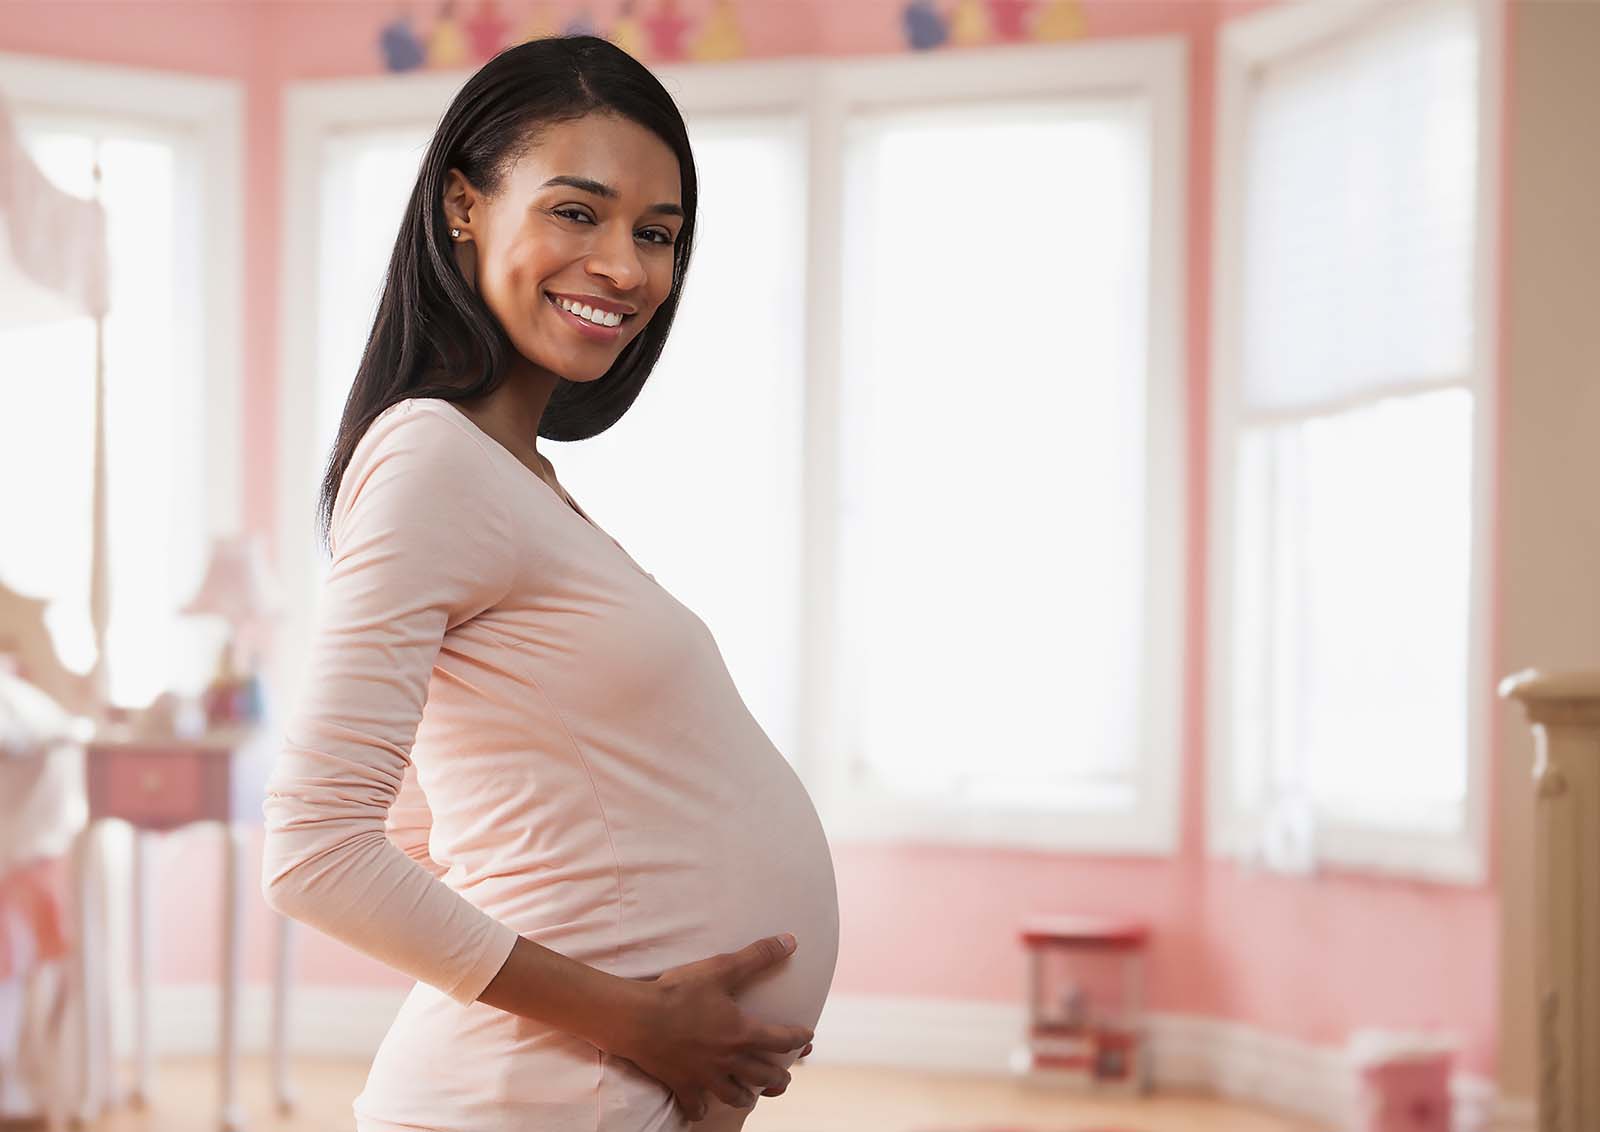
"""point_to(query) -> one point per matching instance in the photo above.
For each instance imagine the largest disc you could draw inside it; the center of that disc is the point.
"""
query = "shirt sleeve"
(422, 541)
(410, 823)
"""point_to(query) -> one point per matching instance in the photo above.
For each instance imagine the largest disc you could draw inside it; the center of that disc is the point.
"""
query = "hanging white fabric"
(52, 244)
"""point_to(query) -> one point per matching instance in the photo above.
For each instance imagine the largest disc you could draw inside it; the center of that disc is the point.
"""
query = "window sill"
(1441, 858)
(1106, 830)
(1453, 859)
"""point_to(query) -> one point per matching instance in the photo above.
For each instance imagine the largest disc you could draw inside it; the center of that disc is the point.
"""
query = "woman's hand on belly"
(691, 1035)
(773, 1059)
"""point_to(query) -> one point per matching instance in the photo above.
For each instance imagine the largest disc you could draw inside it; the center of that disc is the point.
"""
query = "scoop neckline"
(558, 492)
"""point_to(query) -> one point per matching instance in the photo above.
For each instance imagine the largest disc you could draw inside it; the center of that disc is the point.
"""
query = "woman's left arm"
(410, 822)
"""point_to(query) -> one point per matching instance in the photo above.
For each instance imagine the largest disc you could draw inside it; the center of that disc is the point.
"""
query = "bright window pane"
(1357, 529)
(48, 384)
(728, 393)
(156, 537)
(1352, 503)
(367, 177)
(994, 415)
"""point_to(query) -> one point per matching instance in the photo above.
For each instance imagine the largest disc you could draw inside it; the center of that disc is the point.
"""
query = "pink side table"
(158, 785)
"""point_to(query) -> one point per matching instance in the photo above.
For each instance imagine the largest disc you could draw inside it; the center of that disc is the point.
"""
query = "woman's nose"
(618, 260)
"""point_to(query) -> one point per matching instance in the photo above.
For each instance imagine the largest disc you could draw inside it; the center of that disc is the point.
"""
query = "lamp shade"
(239, 584)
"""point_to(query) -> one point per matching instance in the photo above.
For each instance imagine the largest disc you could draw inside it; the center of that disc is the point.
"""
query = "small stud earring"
(455, 233)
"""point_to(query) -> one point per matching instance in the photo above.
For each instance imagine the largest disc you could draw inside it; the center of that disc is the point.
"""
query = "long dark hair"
(433, 336)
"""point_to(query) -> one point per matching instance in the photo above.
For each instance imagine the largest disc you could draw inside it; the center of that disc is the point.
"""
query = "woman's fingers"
(805, 1051)
(692, 1104)
(739, 967)
(758, 1074)
(779, 1039)
(733, 1093)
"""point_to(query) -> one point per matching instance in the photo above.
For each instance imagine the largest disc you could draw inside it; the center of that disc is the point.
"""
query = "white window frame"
(822, 93)
(211, 112)
(1244, 45)
(1157, 69)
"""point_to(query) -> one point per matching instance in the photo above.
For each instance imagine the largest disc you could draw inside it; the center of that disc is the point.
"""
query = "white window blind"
(1361, 165)
(994, 424)
(1353, 427)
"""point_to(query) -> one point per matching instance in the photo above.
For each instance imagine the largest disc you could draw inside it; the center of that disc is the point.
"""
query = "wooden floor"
(821, 1098)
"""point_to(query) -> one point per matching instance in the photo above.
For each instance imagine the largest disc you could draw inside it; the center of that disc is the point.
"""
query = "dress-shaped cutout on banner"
(486, 31)
(924, 27)
(628, 33)
(447, 47)
(969, 25)
(666, 27)
(719, 36)
(1062, 19)
(540, 24)
(1009, 19)
(581, 24)
(399, 46)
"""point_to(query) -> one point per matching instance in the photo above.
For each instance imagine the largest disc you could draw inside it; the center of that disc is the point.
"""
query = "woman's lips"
(593, 332)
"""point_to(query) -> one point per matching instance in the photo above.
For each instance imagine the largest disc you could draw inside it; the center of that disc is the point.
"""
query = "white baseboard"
(1514, 1115)
(335, 1021)
(1229, 1059)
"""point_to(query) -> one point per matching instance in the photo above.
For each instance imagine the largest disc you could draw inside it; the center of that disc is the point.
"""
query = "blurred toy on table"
(42, 809)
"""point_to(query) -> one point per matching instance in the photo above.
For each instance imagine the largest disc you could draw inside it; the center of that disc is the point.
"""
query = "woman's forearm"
(547, 986)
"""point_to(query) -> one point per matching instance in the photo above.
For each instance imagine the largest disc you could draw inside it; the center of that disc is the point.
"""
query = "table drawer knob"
(153, 788)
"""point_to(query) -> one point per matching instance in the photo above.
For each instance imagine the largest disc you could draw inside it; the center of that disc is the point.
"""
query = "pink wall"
(1305, 958)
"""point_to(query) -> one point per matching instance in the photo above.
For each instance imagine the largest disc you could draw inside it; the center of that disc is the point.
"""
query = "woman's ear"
(461, 204)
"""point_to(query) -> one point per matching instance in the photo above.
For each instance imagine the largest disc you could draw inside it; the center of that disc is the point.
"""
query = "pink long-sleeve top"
(506, 726)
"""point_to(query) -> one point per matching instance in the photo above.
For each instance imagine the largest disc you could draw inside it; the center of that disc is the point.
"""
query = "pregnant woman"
(518, 769)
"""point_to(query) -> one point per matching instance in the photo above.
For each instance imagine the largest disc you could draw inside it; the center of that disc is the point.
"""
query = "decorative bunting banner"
(463, 33)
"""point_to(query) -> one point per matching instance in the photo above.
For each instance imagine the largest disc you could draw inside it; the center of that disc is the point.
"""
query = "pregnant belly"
(777, 876)
(755, 865)
(694, 881)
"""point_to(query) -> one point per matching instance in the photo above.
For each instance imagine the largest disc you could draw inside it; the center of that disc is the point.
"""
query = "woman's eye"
(657, 235)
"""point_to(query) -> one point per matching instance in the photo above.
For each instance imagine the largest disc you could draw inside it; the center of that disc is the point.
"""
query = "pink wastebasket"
(1405, 1083)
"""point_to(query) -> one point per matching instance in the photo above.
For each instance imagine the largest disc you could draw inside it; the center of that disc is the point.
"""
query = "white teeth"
(598, 317)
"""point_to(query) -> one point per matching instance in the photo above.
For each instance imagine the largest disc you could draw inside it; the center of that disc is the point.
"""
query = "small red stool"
(1085, 1004)
(1405, 1081)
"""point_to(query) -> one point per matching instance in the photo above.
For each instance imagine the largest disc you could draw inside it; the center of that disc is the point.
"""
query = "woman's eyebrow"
(600, 189)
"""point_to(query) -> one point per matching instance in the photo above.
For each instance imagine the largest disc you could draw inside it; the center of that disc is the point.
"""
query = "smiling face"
(588, 217)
